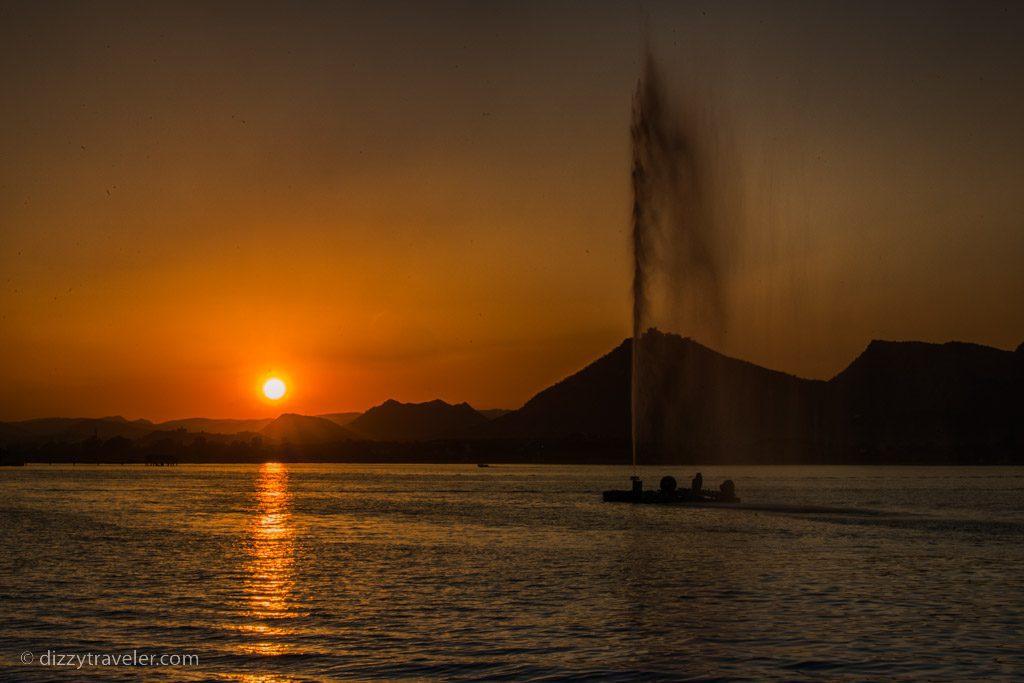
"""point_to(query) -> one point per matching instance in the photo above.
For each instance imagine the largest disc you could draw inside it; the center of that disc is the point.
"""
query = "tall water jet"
(677, 272)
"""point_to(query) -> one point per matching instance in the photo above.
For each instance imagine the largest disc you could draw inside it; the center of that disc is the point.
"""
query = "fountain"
(677, 271)
(677, 255)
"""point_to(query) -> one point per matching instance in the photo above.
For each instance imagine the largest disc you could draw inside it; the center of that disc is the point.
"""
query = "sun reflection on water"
(269, 580)
(258, 678)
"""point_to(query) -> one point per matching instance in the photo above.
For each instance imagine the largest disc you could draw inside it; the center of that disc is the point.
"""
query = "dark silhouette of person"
(727, 490)
(668, 485)
(698, 483)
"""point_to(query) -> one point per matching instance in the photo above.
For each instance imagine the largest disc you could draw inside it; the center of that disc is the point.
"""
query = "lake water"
(323, 572)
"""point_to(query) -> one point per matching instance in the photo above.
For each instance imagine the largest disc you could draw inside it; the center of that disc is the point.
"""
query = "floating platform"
(662, 498)
(670, 494)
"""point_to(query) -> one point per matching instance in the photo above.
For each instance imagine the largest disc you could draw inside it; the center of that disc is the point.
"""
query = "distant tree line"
(181, 447)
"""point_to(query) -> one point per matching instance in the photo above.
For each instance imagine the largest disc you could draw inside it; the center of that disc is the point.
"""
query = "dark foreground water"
(301, 572)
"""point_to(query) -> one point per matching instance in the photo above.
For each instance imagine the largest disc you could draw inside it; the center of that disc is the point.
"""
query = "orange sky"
(395, 202)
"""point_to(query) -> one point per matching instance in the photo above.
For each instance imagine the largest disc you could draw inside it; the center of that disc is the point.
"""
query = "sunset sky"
(431, 200)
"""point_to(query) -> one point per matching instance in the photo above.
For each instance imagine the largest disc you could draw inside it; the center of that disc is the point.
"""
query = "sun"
(274, 389)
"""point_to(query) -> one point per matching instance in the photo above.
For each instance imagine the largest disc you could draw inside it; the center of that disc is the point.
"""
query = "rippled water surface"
(281, 572)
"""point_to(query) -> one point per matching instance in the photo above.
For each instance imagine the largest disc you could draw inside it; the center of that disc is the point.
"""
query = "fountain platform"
(669, 494)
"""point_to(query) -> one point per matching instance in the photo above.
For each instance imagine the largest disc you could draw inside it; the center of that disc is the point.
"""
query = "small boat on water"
(670, 494)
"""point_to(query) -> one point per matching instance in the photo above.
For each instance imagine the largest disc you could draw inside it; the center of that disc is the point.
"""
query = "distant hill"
(697, 405)
(908, 402)
(119, 418)
(213, 425)
(897, 402)
(594, 402)
(492, 413)
(304, 429)
(66, 429)
(11, 432)
(931, 402)
(394, 421)
(340, 418)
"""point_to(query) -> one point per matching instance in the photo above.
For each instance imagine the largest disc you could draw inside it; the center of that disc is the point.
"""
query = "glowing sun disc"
(274, 388)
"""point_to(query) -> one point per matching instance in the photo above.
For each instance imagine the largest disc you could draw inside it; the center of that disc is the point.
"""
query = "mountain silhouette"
(340, 418)
(68, 429)
(305, 429)
(395, 421)
(120, 418)
(931, 402)
(214, 425)
(699, 405)
(898, 402)
(593, 402)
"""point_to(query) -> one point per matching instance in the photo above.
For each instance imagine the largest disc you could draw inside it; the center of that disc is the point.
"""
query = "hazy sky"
(421, 200)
